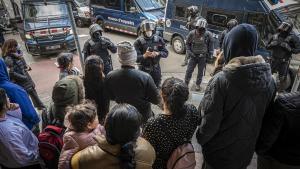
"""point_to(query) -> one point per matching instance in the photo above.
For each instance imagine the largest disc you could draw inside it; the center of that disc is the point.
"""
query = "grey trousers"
(193, 62)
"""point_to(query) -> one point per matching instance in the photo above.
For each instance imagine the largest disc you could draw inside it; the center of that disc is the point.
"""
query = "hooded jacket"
(280, 136)
(18, 95)
(234, 104)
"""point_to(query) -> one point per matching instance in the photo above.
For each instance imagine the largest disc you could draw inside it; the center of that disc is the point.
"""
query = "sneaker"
(197, 88)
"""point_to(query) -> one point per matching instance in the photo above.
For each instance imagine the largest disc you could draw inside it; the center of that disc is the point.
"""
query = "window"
(180, 12)
(218, 18)
(114, 4)
(129, 4)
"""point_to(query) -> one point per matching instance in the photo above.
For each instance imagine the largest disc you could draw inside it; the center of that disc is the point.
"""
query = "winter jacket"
(104, 155)
(233, 107)
(66, 92)
(18, 71)
(280, 136)
(18, 95)
(128, 85)
(74, 142)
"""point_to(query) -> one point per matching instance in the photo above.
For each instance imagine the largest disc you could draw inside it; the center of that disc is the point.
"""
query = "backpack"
(50, 145)
(184, 157)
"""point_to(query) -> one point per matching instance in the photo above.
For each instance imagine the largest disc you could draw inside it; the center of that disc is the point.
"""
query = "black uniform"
(151, 65)
(199, 48)
(282, 46)
(100, 48)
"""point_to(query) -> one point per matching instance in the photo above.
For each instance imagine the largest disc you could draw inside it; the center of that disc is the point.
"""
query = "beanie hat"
(127, 53)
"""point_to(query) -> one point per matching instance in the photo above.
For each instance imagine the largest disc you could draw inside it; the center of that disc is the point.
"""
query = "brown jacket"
(104, 155)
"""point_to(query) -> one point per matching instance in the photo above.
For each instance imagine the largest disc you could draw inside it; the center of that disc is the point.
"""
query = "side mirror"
(133, 9)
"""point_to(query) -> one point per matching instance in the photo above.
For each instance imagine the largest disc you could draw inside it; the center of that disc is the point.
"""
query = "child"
(82, 123)
(65, 64)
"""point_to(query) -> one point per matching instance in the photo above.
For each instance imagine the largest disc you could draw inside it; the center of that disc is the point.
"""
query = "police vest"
(281, 42)
(99, 48)
(200, 44)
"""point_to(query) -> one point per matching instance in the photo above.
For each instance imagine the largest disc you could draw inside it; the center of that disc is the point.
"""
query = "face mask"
(149, 33)
(200, 30)
(97, 35)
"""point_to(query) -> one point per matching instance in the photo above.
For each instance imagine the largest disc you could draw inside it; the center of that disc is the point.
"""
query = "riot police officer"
(282, 45)
(100, 46)
(199, 46)
(193, 16)
(150, 48)
(230, 24)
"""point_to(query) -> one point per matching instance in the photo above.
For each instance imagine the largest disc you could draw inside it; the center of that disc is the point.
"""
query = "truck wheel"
(79, 23)
(178, 45)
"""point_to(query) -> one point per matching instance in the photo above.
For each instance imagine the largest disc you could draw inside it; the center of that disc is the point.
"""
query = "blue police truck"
(45, 27)
(126, 15)
(217, 13)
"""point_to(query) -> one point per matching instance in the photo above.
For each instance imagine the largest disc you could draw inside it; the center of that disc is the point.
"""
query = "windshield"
(45, 11)
(82, 3)
(148, 5)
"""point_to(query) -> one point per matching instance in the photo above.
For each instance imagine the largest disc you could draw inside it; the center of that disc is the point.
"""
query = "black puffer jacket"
(18, 71)
(233, 106)
(128, 85)
(280, 136)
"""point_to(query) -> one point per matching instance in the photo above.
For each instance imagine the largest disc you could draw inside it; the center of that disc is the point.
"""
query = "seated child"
(82, 125)
(65, 64)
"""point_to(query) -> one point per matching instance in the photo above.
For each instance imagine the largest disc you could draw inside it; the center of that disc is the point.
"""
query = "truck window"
(180, 13)
(129, 4)
(114, 4)
(218, 19)
(42, 11)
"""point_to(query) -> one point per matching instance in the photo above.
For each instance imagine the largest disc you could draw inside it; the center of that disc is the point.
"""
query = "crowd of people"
(241, 112)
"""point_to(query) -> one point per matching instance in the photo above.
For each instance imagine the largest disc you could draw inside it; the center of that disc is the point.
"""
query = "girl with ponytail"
(175, 126)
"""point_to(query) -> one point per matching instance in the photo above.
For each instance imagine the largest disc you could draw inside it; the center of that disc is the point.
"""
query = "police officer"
(100, 46)
(230, 24)
(150, 48)
(282, 45)
(199, 46)
(193, 16)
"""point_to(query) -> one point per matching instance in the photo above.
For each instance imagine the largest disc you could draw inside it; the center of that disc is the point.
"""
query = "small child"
(65, 64)
(82, 125)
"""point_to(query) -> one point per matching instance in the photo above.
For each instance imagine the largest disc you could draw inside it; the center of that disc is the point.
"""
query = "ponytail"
(126, 156)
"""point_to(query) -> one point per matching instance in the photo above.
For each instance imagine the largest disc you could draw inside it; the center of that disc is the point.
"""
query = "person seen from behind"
(235, 102)
(18, 145)
(175, 126)
(94, 85)
(121, 147)
(18, 70)
(66, 65)
(129, 85)
(18, 95)
(83, 126)
(278, 144)
(66, 92)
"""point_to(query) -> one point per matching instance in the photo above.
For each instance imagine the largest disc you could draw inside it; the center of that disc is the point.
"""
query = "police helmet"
(193, 10)
(95, 28)
(201, 23)
(148, 25)
(286, 26)
(232, 23)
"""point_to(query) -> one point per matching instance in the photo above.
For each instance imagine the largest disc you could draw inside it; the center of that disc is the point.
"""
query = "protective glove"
(190, 53)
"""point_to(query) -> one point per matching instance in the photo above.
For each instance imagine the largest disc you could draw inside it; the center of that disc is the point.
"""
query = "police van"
(126, 15)
(217, 13)
(45, 27)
